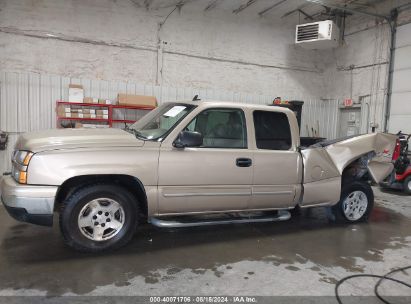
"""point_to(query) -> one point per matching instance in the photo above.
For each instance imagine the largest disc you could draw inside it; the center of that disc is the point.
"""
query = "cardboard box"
(68, 115)
(76, 93)
(77, 115)
(104, 101)
(89, 115)
(99, 116)
(76, 110)
(62, 110)
(89, 111)
(136, 100)
(90, 100)
(102, 112)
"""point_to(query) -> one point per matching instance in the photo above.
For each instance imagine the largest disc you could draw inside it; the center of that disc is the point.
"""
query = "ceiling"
(306, 10)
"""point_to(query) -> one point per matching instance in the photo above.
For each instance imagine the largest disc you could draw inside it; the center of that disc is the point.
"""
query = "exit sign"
(348, 102)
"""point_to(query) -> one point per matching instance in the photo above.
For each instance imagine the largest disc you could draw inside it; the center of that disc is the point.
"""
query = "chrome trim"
(319, 205)
(206, 194)
(283, 215)
(168, 214)
(272, 193)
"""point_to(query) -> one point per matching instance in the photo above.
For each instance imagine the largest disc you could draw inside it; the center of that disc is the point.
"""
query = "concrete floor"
(303, 256)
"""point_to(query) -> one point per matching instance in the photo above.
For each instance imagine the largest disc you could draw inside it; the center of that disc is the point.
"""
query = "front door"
(214, 177)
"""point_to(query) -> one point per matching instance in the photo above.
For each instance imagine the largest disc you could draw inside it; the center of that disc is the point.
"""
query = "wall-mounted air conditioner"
(317, 35)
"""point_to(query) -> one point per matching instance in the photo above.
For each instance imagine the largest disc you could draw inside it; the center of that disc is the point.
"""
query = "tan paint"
(346, 151)
(202, 180)
(56, 166)
(59, 139)
(323, 192)
(323, 167)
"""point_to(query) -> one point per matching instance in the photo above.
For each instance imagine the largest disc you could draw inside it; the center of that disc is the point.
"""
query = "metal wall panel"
(403, 35)
(27, 103)
(400, 114)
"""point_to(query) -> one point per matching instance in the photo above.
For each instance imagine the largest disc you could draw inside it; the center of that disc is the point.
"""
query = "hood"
(57, 139)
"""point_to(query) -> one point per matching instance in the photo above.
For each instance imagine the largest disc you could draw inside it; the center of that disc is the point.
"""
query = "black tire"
(348, 189)
(73, 205)
(407, 185)
(296, 211)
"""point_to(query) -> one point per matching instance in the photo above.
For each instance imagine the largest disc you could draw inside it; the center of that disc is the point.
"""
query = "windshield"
(159, 122)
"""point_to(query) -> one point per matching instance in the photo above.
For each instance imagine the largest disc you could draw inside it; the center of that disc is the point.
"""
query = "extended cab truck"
(185, 164)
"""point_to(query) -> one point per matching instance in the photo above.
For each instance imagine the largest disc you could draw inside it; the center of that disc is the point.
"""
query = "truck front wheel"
(356, 202)
(98, 217)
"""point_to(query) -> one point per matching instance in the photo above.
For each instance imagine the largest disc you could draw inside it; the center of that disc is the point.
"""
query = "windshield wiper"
(135, 132)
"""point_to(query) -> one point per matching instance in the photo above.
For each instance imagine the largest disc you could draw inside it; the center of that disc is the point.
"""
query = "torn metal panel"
(344, 152)
(379, 170)
(324, 164)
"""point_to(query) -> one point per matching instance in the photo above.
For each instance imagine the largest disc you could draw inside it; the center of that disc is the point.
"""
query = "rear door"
(277, 163)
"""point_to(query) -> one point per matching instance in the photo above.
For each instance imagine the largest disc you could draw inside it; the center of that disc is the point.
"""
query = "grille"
(307, 32)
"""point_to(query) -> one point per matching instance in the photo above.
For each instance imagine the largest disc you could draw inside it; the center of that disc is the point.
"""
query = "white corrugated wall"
(400, 114)
(27, 103)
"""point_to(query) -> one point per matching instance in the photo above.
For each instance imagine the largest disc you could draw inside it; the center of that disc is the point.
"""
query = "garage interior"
(243, 51)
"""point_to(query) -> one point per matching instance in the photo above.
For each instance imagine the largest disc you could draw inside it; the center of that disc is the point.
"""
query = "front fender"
(56, 166)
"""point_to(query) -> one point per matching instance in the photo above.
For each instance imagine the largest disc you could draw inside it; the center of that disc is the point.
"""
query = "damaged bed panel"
(322, 180)
(324, 164)
(382, 144)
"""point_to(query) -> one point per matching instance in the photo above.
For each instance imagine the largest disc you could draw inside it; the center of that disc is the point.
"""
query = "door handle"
(243, 162)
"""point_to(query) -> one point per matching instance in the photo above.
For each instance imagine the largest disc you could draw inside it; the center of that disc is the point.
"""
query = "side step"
(186, 221)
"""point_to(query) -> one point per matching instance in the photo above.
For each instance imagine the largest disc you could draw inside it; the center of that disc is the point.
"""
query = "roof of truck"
(230, 104)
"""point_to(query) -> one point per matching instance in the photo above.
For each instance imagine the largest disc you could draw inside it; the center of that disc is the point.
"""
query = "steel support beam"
(394, 18)
(305, 14)
(244, 6)
(212, 5)
(351, 10)
(295, 10)
(147, 4)
(265, 11)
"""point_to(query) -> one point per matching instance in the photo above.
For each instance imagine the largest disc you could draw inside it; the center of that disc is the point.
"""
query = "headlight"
(21, 160)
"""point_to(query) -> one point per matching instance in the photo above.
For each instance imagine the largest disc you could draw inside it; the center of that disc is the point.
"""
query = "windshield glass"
(156, 124)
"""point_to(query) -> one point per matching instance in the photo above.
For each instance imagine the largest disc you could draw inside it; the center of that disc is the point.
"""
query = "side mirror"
(188, 139)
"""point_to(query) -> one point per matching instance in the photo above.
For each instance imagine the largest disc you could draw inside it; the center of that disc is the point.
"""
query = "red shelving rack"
(109, 107)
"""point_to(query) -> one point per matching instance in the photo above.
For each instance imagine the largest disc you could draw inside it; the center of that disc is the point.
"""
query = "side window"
(272, 130)
(221, 128)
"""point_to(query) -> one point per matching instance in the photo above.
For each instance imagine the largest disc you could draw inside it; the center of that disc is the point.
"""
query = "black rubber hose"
(385, 277)
(381, 279)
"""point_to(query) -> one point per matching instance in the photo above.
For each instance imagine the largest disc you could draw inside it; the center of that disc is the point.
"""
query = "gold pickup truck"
(188, 164)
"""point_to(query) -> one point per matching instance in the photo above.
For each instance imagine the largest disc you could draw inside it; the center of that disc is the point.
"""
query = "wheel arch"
(357, 169)
(131, 183)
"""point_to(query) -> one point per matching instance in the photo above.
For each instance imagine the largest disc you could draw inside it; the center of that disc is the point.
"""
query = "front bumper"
(28, 203)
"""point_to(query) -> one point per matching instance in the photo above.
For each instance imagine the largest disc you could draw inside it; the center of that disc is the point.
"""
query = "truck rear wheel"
(98, 217)
(356, 203)
(407, 185)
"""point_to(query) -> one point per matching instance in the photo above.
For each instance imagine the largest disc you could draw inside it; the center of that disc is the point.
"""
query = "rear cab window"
(272, 130)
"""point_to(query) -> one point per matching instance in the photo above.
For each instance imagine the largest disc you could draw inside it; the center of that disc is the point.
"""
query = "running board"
(282, 215)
